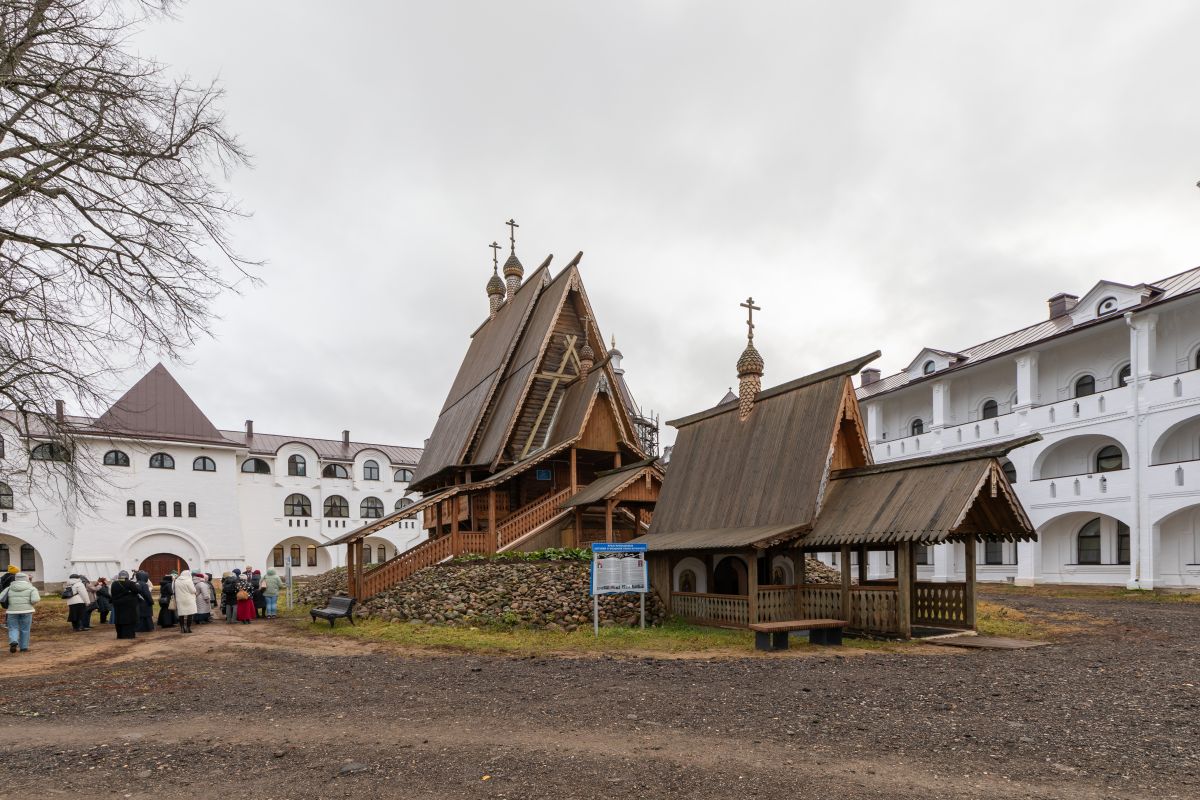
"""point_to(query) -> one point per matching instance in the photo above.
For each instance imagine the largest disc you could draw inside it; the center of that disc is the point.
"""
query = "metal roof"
(158, 407)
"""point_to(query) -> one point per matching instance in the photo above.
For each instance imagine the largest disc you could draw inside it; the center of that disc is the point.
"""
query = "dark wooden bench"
(774, 635)
(339, 606)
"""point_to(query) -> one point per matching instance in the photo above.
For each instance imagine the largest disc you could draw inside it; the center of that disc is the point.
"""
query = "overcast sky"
(877, 175)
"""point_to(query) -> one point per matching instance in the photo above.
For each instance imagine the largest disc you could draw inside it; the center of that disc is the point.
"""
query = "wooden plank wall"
(568, 323)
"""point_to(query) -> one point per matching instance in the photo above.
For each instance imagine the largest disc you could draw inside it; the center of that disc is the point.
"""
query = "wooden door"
(161, 564)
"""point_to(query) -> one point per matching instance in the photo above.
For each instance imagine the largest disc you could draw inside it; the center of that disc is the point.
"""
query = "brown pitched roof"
(613, 482)
(158, 407)
(267, 444)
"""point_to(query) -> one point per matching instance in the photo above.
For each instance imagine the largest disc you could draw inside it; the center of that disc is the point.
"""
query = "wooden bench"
(774, 635)
(339, 606)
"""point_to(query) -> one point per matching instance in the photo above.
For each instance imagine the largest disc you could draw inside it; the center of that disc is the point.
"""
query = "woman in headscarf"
(245, 603)
(126, 600)
(166, 592)
(103, 599)
(256, 594)
(185, 600)
(145, 621)
(229, 594)
(204, 597)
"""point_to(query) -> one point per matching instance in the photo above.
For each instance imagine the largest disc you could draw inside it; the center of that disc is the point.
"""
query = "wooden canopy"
(609, 485)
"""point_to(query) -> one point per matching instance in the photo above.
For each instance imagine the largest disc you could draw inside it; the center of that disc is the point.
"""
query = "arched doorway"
(161, 564)
(729, 577)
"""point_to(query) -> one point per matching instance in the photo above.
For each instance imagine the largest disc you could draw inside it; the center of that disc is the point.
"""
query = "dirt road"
(1111, 711)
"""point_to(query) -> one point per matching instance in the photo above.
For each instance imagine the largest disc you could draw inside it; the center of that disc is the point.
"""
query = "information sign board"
(618, 568)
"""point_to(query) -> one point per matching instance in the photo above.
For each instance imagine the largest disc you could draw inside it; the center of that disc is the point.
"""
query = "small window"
(28, 558)
(297, 505)
(1085, 386)
(162, 461)
(993, 553)
(403, 475)
(370, 471)
(1106, 306)
(4, 556)
(929, 367)
(295, 554)
(1122, 543)
(204, 464)
(336, 506)
(917, 427)
(381, 554)
(1010, 471)
(371, 508)
(277, 556)
(256, 466)
(543, 475)
(6, 497)
(1124, 375)
(1109, 459)
(297, 467)
(116, 458)
(1089, 543)
(922, 552)
(311, 552)
(366, 554)
(177, 509)
(130, 508)
(162, 508)
(146, 508)
(403, 502)
(191, 509)
(50, 451)
(991, 409)
(335, 471)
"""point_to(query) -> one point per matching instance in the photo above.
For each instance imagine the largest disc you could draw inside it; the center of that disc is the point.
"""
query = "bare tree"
(113, 237)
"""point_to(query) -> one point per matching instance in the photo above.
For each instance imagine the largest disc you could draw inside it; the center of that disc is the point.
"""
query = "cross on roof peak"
(512, 233)
(750, 309)
(495, 256)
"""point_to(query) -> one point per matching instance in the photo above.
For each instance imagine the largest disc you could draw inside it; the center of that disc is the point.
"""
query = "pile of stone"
(816, 572)
(317, 591)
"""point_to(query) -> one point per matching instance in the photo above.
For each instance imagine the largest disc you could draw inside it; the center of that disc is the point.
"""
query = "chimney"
(1061, 304)
(60, 411)
(346, 438)
(249, 429)
(868, 376)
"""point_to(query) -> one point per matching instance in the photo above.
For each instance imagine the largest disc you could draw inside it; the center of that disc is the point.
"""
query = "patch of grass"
(992, 619)
(1086, 592)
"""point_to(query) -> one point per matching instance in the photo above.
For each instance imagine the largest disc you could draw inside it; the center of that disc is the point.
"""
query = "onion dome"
(513, 267)
(586, 353)
(495, 286)
(750, 362)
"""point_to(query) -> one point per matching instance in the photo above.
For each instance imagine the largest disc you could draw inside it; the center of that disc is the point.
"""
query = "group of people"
(127, 603)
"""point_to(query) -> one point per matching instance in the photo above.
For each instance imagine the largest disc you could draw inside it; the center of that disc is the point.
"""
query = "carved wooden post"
(904, 557)
(862, 565)
(846, 583)
(493, 535)
(574, 474)
(608, 526)
(969, 587)
(455, 543)
(752, 587)
(799, 569)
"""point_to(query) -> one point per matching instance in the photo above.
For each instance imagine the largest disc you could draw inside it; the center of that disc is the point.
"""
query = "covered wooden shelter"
(756, 484)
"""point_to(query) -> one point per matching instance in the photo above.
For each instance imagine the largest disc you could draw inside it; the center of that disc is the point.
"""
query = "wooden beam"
(846, 582)
(904, 589)
(455, 541)
(752, 587)
(608, 526)
(969, 589)
(798, 574)
(862, 565)
(493, 534)
(549, 396)
(578, 527)
(574, 472)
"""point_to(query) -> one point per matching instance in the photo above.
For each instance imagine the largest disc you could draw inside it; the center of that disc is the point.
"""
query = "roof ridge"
(954, 456)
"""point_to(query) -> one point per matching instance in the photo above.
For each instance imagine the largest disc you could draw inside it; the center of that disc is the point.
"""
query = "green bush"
(549, 554)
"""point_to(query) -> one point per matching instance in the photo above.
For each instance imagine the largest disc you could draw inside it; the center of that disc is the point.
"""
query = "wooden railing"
(776, 603)
(714, 609)
(940, 604)
(473, 543)
(391, 572)
(820, 601)
(531, 517)
(874, 608)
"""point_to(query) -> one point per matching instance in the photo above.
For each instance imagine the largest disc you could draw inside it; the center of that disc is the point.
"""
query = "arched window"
(1085, 386)
(295, 554)
(130, 508)
(6, 498)
(256, 466)
(381, 554)
(370, 470)
(336, 506)
(991, 409)
(311, 552)
(928, 367)
(917, 428)
(204, 464)
(116, 458)
(162, 461)
(370, 508)
(297, 505)
(28, 558)
(335, 471)
(1106, 306)
(1088, 543)
(687, 581)
(1124, 375)
(191, 509)
(403, 502)
(177, 509)
(50, 451)
(1109, 459)
(277, 556)
(1009, 470)
(403, 475)
(4, 556)
(146, 508)
(297, 466)
(162, 508)
(366, 553)
(1122, 543)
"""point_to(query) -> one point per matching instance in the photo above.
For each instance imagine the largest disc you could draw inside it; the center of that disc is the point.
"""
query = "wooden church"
(764, 478)
(538, 443)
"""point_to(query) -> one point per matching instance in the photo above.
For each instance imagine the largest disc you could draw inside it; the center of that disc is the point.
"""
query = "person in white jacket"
(78, 602)
(185, 600)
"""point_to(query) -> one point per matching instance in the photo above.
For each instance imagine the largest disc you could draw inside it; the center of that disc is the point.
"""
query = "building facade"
(1111, 381)
(167, 489)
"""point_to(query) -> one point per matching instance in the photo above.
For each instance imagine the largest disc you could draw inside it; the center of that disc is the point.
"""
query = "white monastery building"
(1111, 381)
(170, 490)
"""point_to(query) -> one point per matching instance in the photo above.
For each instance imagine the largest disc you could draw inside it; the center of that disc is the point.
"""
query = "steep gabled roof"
(158, 407)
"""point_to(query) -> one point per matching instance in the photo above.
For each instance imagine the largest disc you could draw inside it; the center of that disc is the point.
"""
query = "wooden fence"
(940, 605)
(714, 609)
(874, 608)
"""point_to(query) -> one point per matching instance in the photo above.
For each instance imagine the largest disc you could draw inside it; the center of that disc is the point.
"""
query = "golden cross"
(495, 256)
(512, 233)
(750, 309)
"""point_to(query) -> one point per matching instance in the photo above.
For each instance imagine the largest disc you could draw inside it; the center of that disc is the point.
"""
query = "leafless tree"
(113, 228)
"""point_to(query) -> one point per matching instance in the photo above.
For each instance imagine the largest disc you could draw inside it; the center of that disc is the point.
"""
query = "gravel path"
(1112, 710)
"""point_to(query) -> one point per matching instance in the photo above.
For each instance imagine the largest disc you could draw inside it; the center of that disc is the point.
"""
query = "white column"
(1146, 343)
(941, 402)
(1027, 381)
(1029, 562)
(1143, 335)
(943, 563)
(1148, 554)
(873, 423)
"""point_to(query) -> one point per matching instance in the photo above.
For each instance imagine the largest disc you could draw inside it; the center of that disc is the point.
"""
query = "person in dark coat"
(103, 599)
(256, 594)
(145, 622)
(229, 594)
(166, 593)
(126, 599)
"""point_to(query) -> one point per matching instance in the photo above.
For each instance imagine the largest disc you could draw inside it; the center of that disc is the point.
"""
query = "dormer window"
(929, 367)
(1106, 306)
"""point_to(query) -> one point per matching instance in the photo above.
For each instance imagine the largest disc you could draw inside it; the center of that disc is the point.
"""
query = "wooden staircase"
(527, 521)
